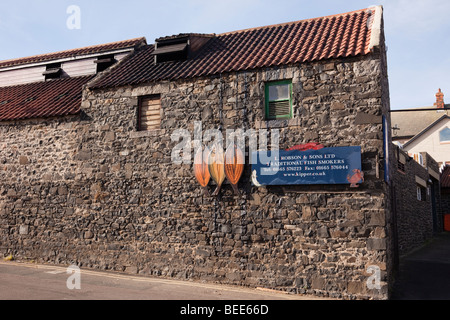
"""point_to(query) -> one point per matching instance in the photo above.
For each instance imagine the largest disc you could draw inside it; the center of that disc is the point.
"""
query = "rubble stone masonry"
(416, 220)
(94, 191)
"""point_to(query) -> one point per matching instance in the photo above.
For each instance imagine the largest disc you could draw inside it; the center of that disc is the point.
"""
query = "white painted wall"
(430, 143)
(120, 56)
(79, 68)
(21, 76)
(72, 68)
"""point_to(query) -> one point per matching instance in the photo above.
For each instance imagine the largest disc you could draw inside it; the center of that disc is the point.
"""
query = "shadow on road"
(425, 274)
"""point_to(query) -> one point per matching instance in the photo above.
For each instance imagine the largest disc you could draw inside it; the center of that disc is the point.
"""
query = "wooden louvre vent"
(279, 109)
(150, 113)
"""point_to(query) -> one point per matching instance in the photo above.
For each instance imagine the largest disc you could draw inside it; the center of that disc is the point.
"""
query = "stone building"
(98, 187)
(417, 202)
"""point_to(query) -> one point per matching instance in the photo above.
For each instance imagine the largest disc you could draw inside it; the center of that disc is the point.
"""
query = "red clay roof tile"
(337, 36)
(58, 97)
(55, 97)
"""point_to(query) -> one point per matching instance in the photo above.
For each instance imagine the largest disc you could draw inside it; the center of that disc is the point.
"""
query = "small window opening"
(104, 62)
(444, 135)
(421, 193)
(171, 50)
(401, 161)
(52, 71)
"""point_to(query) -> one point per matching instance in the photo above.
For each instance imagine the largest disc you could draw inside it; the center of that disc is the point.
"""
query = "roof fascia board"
(419, 110)
(87, 56)
(417, 136)
(375, 37)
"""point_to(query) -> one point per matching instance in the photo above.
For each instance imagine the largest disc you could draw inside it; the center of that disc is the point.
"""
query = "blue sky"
(416, 30)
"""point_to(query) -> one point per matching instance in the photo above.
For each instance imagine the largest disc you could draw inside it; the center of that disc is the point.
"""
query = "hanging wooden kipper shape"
(234, 166)
(201, 170)
(216, 167)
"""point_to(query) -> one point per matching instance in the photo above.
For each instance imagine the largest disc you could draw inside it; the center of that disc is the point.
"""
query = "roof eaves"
(417, 136)
(249, 49)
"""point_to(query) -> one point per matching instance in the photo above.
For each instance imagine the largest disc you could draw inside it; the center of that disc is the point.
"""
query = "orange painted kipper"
(201, 170)
(216, 167)
(234, 166)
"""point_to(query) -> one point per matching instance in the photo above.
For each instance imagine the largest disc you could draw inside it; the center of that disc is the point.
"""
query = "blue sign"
(341, 165)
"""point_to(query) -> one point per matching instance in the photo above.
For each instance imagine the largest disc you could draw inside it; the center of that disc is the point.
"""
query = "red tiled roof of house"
(445, 177)
(58, 97)
(73, 52)
(338, 36)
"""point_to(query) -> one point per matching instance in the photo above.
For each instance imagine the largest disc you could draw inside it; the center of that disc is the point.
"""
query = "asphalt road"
(425, 273)
(26, 281)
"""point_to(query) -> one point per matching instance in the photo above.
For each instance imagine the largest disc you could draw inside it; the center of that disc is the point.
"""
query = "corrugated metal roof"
(338, 36)
(58, 97)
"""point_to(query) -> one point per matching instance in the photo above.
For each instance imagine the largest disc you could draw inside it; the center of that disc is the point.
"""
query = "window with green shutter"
(278, 100)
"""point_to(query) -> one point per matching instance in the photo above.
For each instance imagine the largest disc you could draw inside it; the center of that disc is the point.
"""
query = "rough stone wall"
(40, 171)
(432, 167)
(385, 161)
(445, 201)
(414, 217)
(115, 200)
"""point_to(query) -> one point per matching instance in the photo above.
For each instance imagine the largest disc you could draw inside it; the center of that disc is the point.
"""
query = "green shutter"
(278, 109)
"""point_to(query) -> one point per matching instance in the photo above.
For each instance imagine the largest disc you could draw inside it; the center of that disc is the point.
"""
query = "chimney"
(439, 100)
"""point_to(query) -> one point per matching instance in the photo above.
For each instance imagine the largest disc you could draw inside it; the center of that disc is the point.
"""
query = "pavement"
(29, 281)
(425, 273)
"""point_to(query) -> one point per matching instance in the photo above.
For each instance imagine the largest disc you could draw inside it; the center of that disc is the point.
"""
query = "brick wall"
(446, 201)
